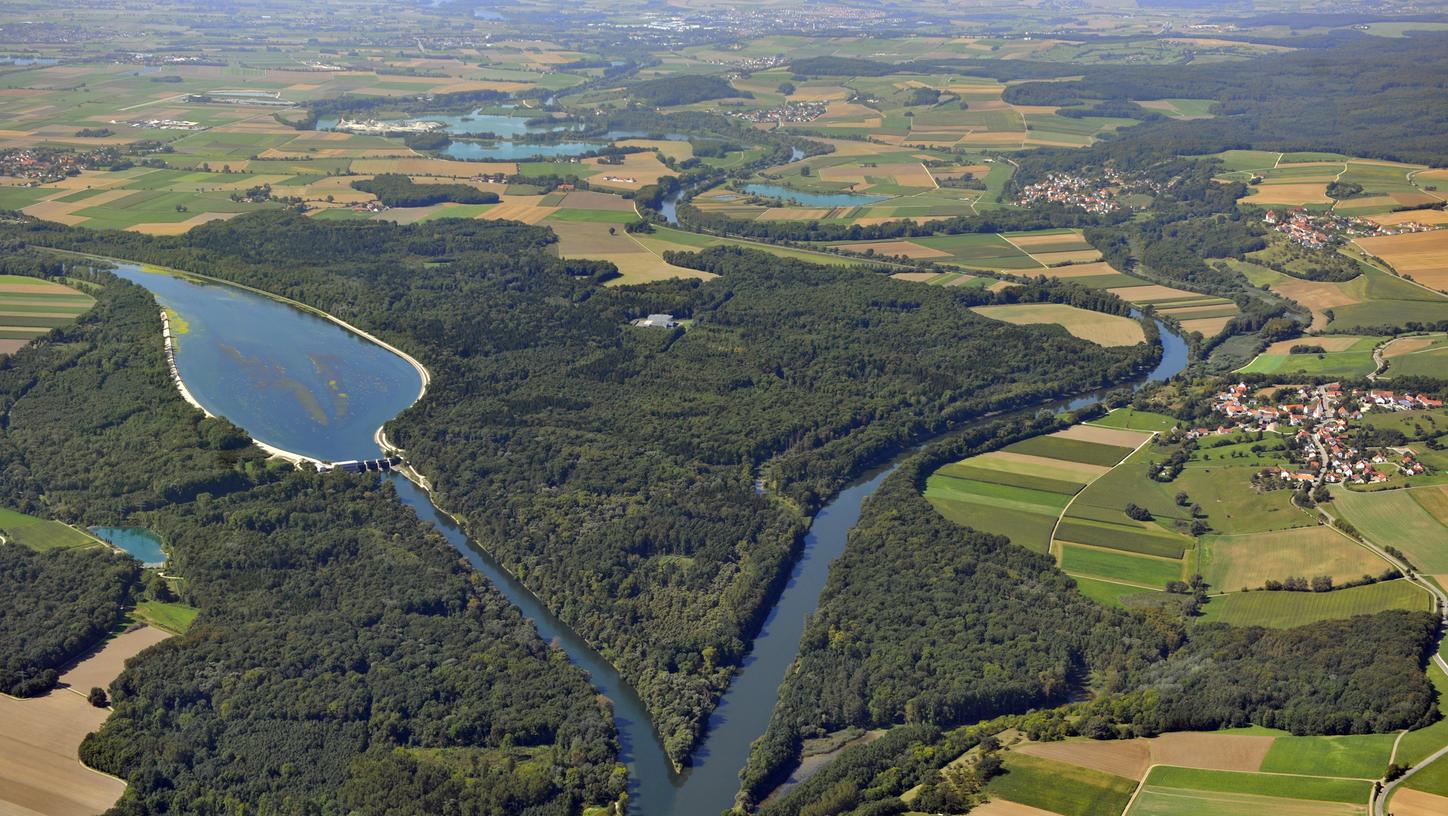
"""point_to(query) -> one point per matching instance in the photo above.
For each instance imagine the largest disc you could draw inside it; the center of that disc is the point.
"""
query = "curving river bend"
(305, 384)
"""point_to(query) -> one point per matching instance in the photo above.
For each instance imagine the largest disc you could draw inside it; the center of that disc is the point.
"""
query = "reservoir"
(139, 542)
(282, 372)
(291, 378)
(813, 199)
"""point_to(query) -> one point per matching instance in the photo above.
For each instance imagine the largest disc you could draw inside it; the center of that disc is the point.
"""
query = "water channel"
(306, 384)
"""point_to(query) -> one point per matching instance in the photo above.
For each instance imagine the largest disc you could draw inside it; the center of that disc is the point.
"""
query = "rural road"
(1380, 804)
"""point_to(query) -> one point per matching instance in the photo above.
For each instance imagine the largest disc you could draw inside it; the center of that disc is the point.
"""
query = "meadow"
(42, 534)
(1342, 356)
(1284, 610)
(1374, 298)
(1401, 519)
(1247, 561)
(1061, 788)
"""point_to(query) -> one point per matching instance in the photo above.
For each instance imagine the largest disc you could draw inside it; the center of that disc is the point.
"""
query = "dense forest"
(396, 190)
(344, 660)
(612, 468)
(926, 622)
(682, 90)
(1358, 97)
(58, 604)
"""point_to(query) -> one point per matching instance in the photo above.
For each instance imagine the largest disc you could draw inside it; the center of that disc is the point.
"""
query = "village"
(1322, 416)
(1319, 230)
(1097, 194)
(788, 112)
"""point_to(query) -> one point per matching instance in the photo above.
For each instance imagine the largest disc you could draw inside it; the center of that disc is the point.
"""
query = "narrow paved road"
(1380, 805)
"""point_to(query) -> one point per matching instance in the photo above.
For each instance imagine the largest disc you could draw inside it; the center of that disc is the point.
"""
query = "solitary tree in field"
(98, 698)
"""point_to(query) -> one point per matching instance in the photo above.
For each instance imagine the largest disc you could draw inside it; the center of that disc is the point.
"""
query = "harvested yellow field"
(1029, 242)
(795, 213)
(915, 277)
(1430, 217)
(1217, 752)
(1207, 326)
(40, 770)
(583, 239)
(909, 249)
(676, 150)
(1296, 193)
(1099, 328)
(1126, 758)
(1317, 296)
(1041, 465)
(179, 227)
(1005, 807)
(637, 170)
(1151, 292)
(1074, 256)
(1409, 802)
(433, 167)
(1077, 270)
(1104, 436)
(905, 174)
(1421, 255)
(643, 267)
(1399, 347)
(592, 200)
(519, 208)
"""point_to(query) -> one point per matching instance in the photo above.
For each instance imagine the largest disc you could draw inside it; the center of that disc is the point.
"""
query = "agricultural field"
(1028, 253)
(40, 771)
(1374, 298)
(664, 239)
(1098, 327)
(1300, 180)
(30, 307)
(1021, 490)
(42, 534)
(1234, 772)
(168, 616)
(1342, 356)
(1413, 520)
(1171, 791)
(1425, 356)
(1419, 256)
(1059, 787)
(1248, 560)
(1285, 610)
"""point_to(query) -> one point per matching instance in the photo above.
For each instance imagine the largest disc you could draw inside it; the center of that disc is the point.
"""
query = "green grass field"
(173, 617)
(965, 470)
(1029, 529)
(1316, 788)
(1152, 573)
(41, 534)
(1416, 745)
(1166, 801)
(1133, 420)
(1136, 539)
(1283, 610)
(1358, 756)
(1432, 779)
(1069, 790)
(1105, 592)
(1330, 364)
(1393, 517)
(1073, 450)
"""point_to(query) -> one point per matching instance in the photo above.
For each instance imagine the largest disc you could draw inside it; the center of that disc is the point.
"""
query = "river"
(290, 364)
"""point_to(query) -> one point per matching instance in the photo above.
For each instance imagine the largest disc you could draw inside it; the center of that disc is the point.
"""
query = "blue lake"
(138, 541)
(814, 199)
(292, 379)
(514, 151)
